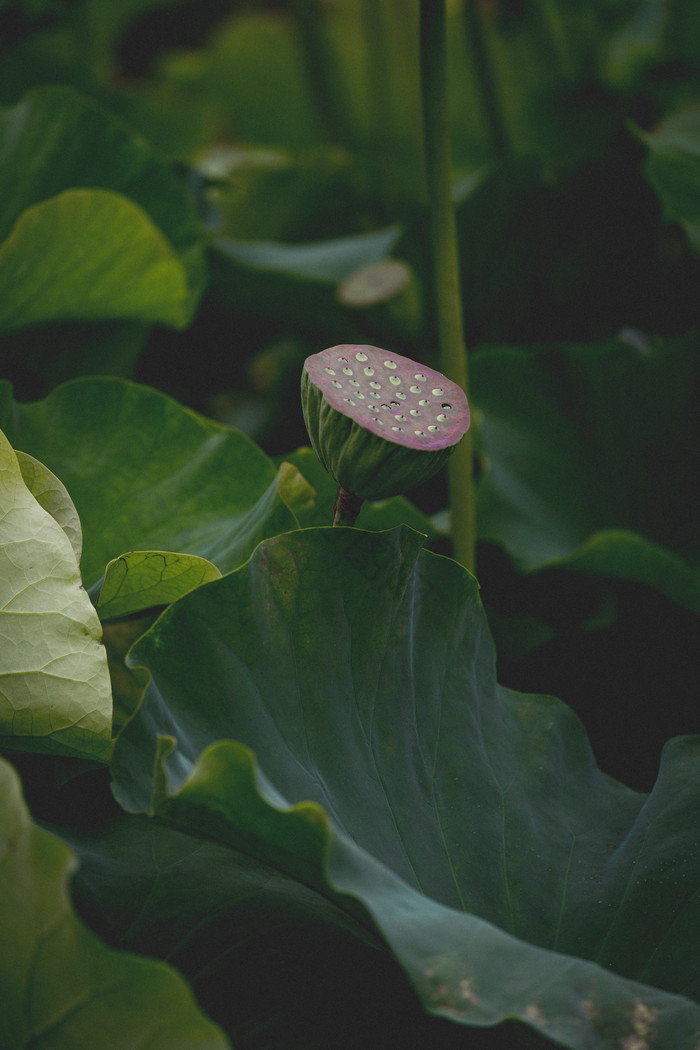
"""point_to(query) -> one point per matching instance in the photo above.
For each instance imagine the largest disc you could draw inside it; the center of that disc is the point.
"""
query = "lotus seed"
(445, 405)
(415, 412)
(397, 429)
(344, 360)
(335, 383)
(353, 382)
(437, 391)
(418, 433)
(375, 385)
(375, 395)
(401, 395)
(401, 419)
(433, 429)
(390, 364)
(360, 396)
(414, 389)
(359, 356)
(420, 377)
(369, 371)
(395, 380)
(349, 401)
(441, 416)
(331, 371)
(424, 402)
(347, 371)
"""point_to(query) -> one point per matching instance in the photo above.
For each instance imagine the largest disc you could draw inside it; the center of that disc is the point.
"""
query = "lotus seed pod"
(380, 423)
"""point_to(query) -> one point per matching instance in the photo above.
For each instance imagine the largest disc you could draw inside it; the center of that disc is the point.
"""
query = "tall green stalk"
(445, 264)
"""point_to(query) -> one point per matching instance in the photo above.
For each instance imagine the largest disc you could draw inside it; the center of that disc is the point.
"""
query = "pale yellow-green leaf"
(55, 692)
(52, 494)
(143, 579)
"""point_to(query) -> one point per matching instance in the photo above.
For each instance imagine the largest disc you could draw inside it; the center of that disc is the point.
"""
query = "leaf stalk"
(445, 264)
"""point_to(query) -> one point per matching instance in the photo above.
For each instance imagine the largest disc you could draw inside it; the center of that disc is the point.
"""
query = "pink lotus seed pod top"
(392, 396)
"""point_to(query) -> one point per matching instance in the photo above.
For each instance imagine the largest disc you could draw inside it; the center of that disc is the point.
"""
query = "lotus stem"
(445, 264)
(347, 507)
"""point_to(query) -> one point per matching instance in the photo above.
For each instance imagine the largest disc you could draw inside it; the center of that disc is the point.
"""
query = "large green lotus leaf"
(509, 876)
(672, 167)
(147, 474)
(54, 684)
(591, 455)
(61, 988)
(90, 254)
(56, 139)
(229, 920)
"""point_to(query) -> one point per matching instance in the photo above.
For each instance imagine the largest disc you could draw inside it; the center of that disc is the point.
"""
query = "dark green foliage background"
(185, 188)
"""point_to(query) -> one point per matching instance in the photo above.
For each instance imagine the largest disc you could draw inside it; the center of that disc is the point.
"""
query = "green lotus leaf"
(306, 972)
(54, 684)
(142, 579)
(90, 254)
(61, 987)
(590, 456)
(56, 139)
(332, 710)
(147, 474)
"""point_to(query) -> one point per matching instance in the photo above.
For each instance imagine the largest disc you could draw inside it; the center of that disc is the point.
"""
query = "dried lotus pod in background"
(388, 294)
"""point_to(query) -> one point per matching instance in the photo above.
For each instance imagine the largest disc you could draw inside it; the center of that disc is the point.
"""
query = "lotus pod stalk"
(381, 424)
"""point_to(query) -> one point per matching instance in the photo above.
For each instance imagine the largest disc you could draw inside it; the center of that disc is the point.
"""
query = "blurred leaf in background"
(95, 228)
